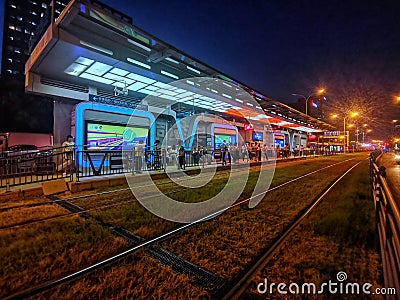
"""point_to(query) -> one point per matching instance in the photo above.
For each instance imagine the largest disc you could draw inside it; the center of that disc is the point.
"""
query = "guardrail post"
(76, 153)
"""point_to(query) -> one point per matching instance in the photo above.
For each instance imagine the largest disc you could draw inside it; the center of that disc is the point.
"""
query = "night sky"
(286, 47)
(279, 47)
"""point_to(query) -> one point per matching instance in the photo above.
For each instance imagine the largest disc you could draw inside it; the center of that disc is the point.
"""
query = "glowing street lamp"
(346, 141)
(319, 92)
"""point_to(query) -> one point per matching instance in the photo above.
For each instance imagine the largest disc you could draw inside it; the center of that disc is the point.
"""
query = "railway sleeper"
(202, 277)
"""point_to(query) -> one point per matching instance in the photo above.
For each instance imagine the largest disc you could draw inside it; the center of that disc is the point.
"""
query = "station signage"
(332, 133)
(116, 102)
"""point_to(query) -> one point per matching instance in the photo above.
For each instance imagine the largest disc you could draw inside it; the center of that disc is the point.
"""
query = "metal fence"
(23, 167)
(107, 162)
(388, 220)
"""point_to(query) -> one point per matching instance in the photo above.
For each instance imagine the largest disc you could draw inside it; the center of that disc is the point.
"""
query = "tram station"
(104, 73)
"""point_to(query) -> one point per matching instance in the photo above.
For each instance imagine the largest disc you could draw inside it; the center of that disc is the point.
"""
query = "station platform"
(38, 189)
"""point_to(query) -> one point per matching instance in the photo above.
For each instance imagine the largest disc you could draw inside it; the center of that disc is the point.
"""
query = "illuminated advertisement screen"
(220, 138)
(279, 143)
(114, 137)
(257, 136)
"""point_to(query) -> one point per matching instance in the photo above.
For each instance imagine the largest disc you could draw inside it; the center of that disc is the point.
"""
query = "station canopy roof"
(90, 44)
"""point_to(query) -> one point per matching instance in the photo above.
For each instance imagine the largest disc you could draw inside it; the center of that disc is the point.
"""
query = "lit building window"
(12, 27)
(10, 60)
(34, 13)
(44, 5)
(18, 28)
(9, 71)
(13, 6)
(19, 18)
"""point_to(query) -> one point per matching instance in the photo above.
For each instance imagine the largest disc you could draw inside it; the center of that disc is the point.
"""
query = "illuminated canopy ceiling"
(94, 46)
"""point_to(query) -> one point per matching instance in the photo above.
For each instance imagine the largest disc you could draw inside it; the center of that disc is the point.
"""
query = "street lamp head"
(354, 114)
(334, 116)
(300, 95)
(321, 91)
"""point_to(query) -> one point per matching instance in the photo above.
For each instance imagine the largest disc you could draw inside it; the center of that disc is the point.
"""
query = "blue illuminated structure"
(80, 122)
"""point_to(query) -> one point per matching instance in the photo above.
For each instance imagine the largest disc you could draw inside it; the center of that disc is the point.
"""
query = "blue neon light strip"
(178, 125)
(80, 121)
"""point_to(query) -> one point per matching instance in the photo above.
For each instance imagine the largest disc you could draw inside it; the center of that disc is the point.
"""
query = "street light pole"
(304, 97)
(319, 92)
(345, 136)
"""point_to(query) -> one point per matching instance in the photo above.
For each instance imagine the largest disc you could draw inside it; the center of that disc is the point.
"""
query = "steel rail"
(132, 200)
(244, 280)
(51, 284)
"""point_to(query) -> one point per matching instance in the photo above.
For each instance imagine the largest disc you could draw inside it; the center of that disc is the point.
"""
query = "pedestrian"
(244, 152)
(196, 156)
(265, 150)
(173, 155)
(138, 157)
(157, 155)
(226, 155)
(68, 148)
(258, 151)
(181, 157)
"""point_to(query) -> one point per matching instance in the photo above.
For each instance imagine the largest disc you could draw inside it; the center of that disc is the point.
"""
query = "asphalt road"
(392, 174)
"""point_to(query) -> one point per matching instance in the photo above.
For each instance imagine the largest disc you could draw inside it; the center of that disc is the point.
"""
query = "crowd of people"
(176, 155)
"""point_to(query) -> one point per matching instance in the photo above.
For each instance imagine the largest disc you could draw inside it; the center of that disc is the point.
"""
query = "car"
(21, 157)
(19, 150)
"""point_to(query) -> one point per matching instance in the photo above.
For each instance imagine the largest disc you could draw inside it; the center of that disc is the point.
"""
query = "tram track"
(113, 204)
(148, 243)
(239, 285)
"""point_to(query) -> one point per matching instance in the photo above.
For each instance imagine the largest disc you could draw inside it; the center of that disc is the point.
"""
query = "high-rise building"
(24, 22)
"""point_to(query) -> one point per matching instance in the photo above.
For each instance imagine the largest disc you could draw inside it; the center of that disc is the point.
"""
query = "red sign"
(312, 138)
(248, 126)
